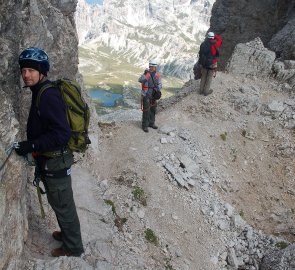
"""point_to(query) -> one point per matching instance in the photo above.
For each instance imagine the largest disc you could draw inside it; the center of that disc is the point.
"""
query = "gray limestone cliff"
(272, 21)
(167, 31)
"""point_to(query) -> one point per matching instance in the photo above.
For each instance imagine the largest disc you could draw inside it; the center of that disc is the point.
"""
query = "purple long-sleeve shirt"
(48, 127)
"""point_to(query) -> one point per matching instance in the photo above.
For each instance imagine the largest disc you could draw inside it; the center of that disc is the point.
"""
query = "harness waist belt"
(57, 174)
(56, 153)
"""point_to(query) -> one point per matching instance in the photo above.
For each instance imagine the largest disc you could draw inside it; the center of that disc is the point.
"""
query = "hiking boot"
(153, 126)
(145, 129)
(208, 93)
(57, 235)
(58, 252)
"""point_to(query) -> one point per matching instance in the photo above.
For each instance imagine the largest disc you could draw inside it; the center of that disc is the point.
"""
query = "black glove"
(24, 148)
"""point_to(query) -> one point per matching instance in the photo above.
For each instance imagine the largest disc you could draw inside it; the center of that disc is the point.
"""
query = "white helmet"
(211, 35)
(153, 63)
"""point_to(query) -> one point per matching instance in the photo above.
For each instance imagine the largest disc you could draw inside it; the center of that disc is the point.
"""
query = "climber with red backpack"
(48, 135)
(151, 86)
(208, 60)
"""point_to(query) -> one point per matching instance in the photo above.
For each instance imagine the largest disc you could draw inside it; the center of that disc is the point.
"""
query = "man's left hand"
(24, 148)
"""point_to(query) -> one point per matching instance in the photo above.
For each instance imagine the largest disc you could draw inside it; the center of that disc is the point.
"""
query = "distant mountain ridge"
(169, 31)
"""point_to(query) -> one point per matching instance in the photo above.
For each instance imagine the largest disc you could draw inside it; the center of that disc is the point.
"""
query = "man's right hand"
(24, 148)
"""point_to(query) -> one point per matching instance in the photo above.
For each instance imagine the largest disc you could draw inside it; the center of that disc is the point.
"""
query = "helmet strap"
(40, 79)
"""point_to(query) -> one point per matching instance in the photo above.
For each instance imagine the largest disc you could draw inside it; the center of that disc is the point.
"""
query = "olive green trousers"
(60, 197)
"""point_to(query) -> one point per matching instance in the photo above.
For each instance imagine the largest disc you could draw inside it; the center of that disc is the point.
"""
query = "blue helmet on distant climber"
(34, 58)
(211, 35)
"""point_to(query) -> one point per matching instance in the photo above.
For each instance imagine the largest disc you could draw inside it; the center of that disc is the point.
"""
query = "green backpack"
(78, 114)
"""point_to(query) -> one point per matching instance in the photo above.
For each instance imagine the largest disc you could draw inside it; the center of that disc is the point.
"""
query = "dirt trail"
(254, 177)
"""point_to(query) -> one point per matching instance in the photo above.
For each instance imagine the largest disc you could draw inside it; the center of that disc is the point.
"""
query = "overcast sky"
(94, 1)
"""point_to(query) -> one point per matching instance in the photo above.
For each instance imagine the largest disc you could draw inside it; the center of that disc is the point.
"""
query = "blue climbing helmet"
(34, 58)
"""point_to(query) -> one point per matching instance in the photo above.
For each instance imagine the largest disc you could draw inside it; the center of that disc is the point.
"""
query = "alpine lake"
(112, 80)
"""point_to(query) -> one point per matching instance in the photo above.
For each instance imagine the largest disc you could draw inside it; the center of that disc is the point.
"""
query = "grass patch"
(242, 214)
(111, 203)
(139, 195)
(223, 136)
(119, 222)
(168, 265)
(282, 245)
(151, 237)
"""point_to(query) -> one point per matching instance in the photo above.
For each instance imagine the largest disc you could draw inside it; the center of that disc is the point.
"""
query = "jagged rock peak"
(169, 31)
(192, 16)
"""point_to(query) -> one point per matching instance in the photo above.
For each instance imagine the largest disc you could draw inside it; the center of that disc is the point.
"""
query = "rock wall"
(49, 25)
(242, 21)
(251, 58)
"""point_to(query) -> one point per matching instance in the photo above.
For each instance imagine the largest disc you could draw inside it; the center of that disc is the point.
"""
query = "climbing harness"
(152, 103)
(40, 175)
(40, 202)
(8, 153)
(40, 191)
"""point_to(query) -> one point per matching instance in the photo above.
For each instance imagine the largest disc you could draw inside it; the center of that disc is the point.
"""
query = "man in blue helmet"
(48, 131)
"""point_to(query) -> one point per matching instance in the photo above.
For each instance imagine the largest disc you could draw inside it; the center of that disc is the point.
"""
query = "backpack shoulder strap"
(153, 79)
(157, 75)
(41, 91)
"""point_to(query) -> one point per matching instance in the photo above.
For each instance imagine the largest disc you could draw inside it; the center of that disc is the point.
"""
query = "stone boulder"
(285, 72)
(251, 58)
(279, 260)
(283, 41)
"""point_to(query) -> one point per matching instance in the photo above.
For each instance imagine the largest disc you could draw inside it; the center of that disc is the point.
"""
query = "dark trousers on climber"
(60, 197)
(206, 79)
(149, 109)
